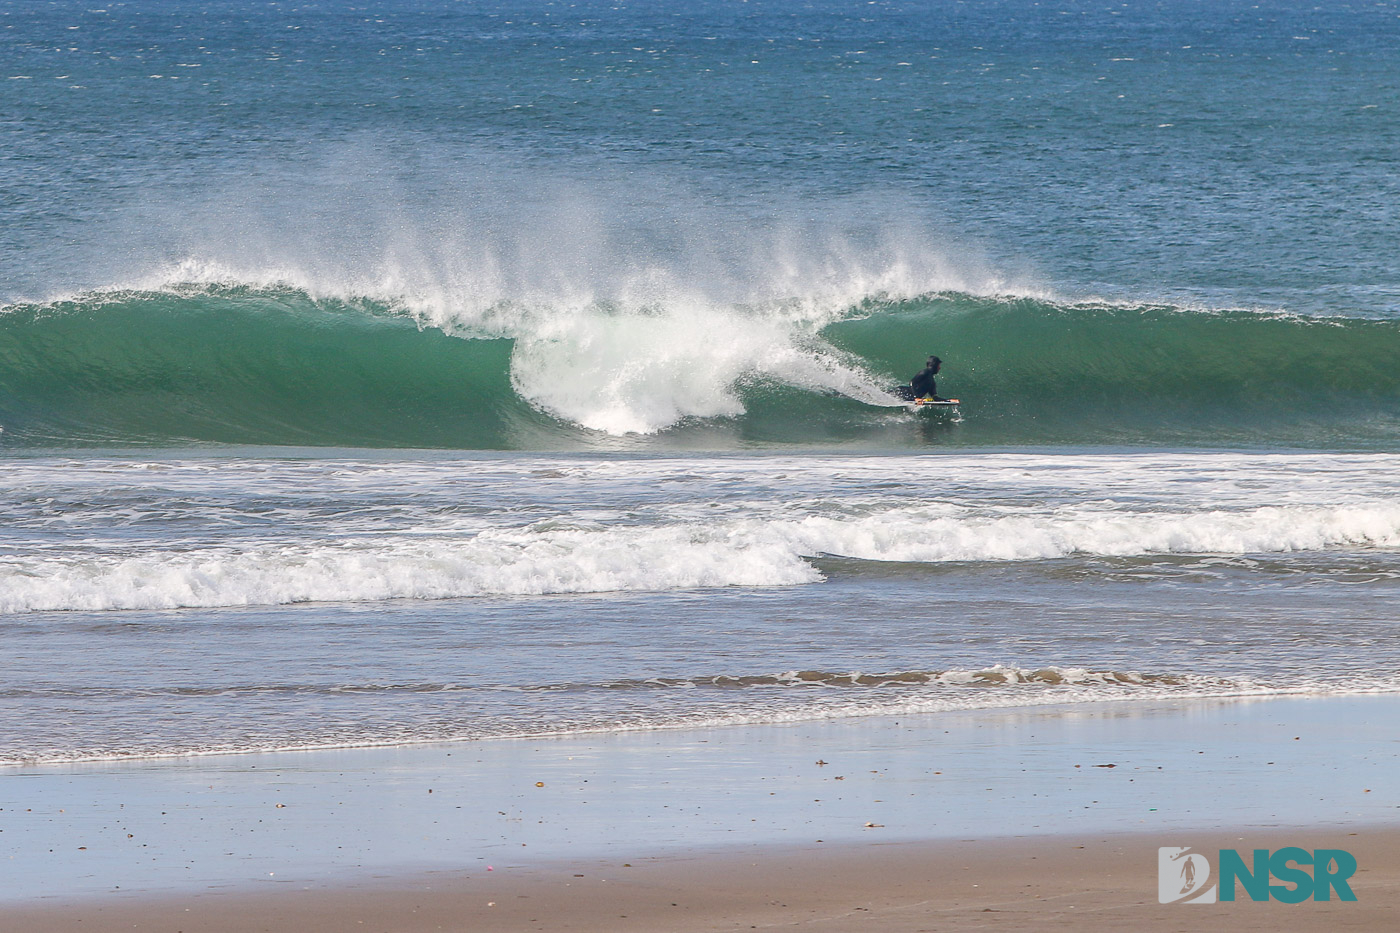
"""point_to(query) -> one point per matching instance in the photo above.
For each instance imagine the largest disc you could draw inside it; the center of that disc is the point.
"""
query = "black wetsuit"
(923, 384)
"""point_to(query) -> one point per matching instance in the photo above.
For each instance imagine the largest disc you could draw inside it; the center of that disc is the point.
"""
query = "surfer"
(923, 385)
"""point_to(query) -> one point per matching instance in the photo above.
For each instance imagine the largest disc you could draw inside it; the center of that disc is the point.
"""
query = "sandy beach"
(1089, 882)
(1026, 817)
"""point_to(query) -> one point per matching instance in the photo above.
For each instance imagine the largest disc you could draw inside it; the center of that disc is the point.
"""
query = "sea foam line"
(1181, 688)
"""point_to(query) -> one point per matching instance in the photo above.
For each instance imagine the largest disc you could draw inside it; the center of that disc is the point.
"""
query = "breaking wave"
(272, 363)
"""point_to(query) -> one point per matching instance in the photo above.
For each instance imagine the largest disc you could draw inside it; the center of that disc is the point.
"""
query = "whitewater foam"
(643, 372)
(766, 548)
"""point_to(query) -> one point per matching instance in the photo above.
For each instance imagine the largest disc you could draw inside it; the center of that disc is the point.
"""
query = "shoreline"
(721, 722)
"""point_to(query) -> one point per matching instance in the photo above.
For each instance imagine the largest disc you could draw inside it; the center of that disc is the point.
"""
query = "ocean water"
(421, 371)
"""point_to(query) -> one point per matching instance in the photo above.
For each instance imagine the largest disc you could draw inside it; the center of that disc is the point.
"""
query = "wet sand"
(1090, 882)
(1049, 817)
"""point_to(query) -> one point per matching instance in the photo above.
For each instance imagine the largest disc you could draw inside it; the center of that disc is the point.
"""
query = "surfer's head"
(934, 363)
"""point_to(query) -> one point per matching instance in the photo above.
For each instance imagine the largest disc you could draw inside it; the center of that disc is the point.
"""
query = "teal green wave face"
(1030, 371)
(235, 365)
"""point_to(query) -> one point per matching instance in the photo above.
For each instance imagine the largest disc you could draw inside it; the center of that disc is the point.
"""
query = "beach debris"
(821, 763)
(1105, 766)
(539, 783)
